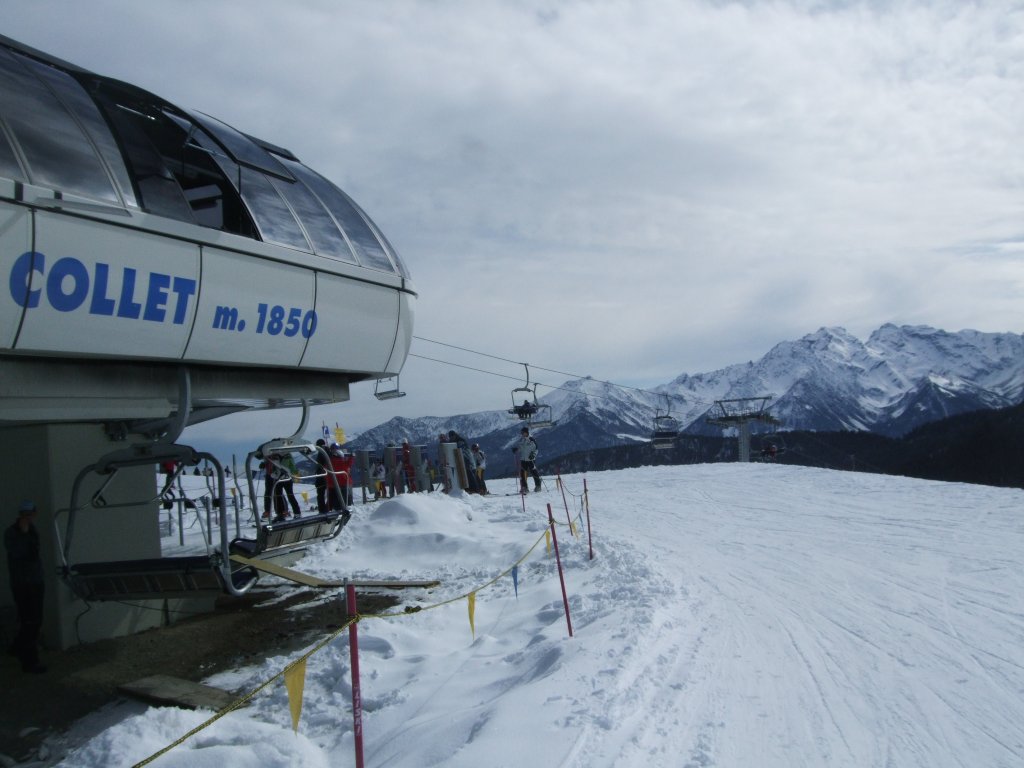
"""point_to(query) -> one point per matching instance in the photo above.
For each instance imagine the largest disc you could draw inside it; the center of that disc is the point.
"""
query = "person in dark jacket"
(25, 567)
(282, 478)
(481, 466)
(462, 446)
(323, 463)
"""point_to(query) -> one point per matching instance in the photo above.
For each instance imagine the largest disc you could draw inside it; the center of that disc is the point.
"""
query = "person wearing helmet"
(481, 464)
(526, 451)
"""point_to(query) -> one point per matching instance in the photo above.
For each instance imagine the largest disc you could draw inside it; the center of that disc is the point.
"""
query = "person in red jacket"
(339, 481)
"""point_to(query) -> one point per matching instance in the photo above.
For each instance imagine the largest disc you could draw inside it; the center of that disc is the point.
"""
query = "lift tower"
(739, 412)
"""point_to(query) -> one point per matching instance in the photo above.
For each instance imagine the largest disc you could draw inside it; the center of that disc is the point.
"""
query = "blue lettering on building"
(69, 285)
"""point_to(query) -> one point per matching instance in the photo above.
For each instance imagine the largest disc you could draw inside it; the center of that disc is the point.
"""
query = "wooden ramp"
(164, 690)
(312, 581)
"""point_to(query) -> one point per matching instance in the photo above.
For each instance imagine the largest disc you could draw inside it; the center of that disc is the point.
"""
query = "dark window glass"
(368, 249)
(210, 179)
(385, 242)
(74, 97)
(159, 192)
(243, 149)
(273, 217)
(57, 152)
(319, 224)
(10, 168)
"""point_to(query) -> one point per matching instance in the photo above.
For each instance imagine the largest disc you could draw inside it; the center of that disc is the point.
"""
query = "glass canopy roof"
(82, 134)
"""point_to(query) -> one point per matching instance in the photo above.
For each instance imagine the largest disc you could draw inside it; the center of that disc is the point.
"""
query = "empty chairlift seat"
(155, 578)
(290, 533)
(150, 578)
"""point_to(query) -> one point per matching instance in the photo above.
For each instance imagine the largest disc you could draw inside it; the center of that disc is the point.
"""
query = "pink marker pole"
(357, 695)
(561, 577)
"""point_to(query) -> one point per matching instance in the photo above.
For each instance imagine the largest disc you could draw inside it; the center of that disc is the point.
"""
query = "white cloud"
(622, 188)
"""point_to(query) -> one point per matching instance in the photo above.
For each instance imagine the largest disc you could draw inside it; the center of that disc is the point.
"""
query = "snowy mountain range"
(900, 378)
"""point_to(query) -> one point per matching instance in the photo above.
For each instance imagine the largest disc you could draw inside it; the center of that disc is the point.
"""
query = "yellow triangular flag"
(572, 528)
(547, 539)
(472, 610)
(339, 435)
(294, 682)
(305, 497)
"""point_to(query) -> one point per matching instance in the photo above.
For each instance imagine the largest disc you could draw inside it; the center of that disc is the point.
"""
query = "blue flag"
(515, 579)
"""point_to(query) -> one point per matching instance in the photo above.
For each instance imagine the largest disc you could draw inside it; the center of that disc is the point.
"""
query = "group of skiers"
(525, 451)
(334, 476)
(400, 477)
(333, 482)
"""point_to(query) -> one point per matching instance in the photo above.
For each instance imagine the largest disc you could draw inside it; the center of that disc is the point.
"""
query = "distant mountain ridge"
(899, 379)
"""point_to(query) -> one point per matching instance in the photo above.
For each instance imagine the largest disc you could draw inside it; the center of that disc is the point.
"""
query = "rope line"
(332, 636)
(247, 697)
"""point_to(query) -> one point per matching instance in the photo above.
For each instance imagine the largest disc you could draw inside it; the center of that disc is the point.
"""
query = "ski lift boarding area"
(162, 268)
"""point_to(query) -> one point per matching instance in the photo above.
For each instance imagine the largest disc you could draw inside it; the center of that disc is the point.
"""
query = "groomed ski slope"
(733, 615)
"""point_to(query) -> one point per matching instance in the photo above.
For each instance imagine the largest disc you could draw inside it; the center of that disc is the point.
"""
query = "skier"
(462, 445)
(526, 451)
(379, 474)
(407, 468)
(481, 464)
(339, 480)
(323, 465)
(281, 473)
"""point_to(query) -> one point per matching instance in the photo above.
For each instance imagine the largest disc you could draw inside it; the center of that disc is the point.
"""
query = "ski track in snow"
(771, 616)
(816, 663)
(725, 614)
(758, 636)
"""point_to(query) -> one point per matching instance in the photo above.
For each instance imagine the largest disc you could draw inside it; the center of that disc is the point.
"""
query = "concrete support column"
(41, 463)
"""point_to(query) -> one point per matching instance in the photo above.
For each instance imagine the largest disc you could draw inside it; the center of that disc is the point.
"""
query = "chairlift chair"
(773, 445)
(527, 407)
(666, 428)
(389, 393)
(149, 578)
(283, 535)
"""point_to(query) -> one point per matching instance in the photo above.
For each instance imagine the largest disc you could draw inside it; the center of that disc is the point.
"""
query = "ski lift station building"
(161, 267)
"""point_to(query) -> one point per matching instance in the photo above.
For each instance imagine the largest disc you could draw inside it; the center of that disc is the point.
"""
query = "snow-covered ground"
(732, 615)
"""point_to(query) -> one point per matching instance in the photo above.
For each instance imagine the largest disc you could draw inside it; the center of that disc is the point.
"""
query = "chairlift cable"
(539, 368)
(538, 383)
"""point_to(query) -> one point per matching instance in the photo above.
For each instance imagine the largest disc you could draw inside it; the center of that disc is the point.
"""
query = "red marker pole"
(357, 695)
(561, 577)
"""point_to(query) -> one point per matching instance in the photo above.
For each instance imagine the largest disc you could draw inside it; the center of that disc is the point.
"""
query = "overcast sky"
(629, 190)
